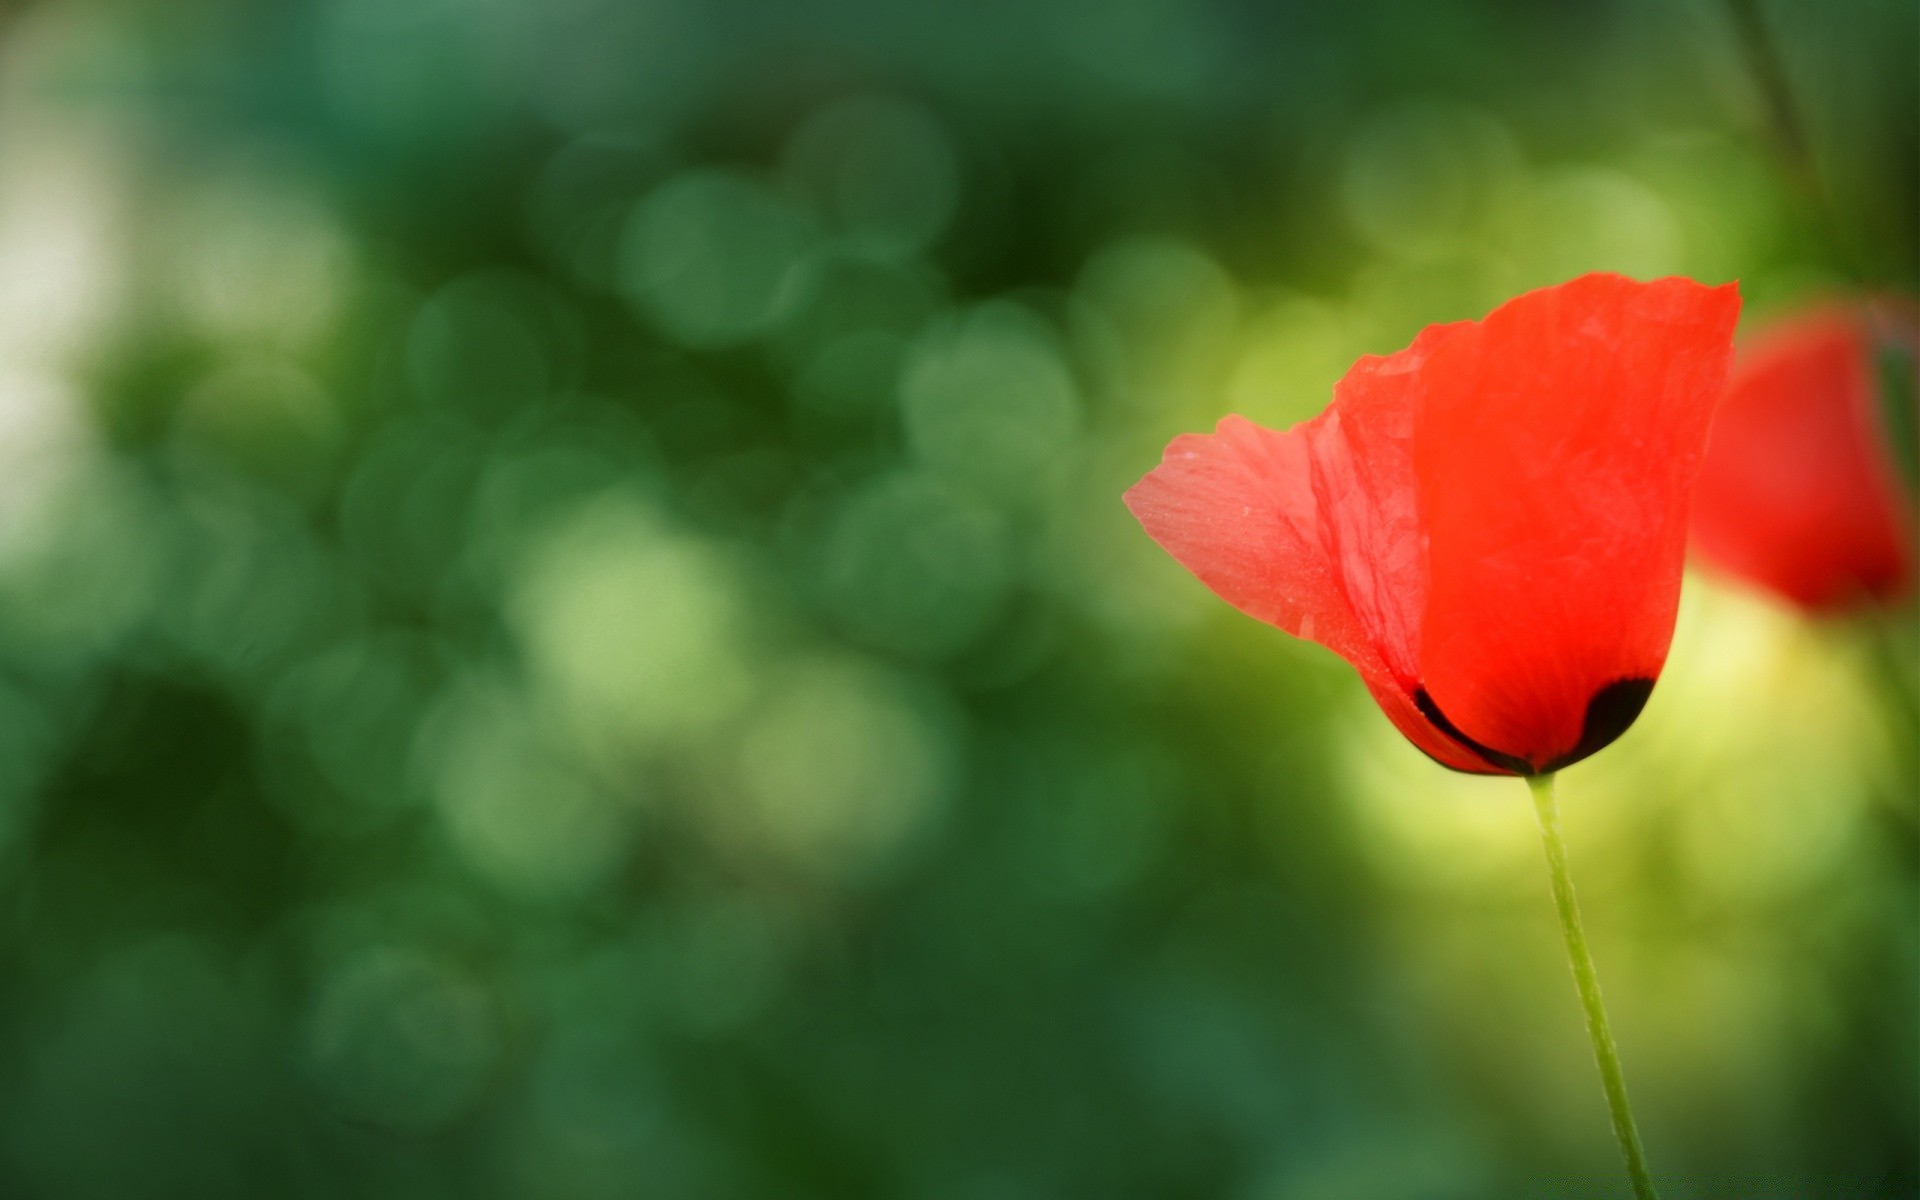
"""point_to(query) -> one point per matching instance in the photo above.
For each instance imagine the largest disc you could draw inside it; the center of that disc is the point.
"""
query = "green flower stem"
(1604, 1051)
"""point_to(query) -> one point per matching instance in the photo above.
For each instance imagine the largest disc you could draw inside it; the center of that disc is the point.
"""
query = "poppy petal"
(1314, 530)
(1361, 449)
(1798, 493)
(1237, 508)
(1559, 441)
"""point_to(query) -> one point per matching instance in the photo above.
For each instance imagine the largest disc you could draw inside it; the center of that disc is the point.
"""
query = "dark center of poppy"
(1609, 712)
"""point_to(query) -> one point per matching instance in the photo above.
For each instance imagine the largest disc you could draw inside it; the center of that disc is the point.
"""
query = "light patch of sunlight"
(516, 808)
(1758, 750)
(1791, 740)
(255, 258)
(1429, 827)
(633, 630)
(63, 275)
(1391, 300)
(838, 771)
(1589, 218)
(83, 572)
(1755, 754)
(1158, 318)
(1292, 354)
(45, 439)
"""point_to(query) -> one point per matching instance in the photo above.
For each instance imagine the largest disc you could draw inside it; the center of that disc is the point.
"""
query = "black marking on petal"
(1506, 762)
(1612, 709)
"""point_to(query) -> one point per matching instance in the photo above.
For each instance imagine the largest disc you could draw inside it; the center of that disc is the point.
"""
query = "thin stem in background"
(1789, 132)
(1771, 77)
(1604, 1051)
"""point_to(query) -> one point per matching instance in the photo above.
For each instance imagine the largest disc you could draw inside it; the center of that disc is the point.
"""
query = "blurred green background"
(567, 627)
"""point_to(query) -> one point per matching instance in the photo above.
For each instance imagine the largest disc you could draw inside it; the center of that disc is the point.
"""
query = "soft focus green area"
(567, 628)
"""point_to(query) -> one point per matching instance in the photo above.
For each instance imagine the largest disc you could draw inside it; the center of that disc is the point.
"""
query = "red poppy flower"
(1489, 524)
(1799, 493)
